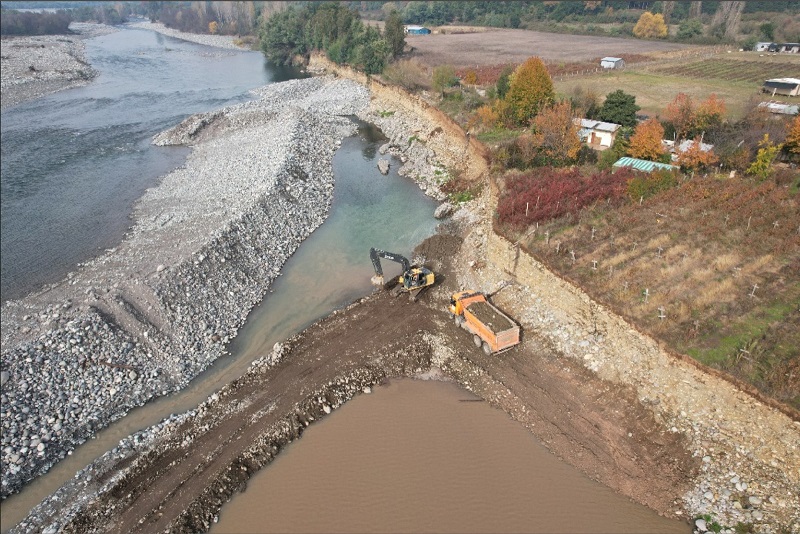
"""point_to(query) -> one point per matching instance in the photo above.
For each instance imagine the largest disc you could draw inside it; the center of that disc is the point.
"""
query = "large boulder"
(383, 166)
(445, 209)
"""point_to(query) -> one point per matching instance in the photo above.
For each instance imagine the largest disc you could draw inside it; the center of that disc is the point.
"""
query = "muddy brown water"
(427, 456)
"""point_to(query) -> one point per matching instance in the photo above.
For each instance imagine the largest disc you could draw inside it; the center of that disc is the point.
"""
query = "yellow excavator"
(413, 281)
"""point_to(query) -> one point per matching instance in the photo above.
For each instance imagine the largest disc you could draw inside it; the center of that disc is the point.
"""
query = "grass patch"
(653, 91)
(498, 135)
(742, 333)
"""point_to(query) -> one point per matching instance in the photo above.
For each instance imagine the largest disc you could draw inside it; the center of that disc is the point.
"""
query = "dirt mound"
(439, 247)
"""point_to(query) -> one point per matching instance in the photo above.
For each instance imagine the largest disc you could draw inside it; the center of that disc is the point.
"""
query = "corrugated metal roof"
(794, 81)
(596, 125)
(643, 164)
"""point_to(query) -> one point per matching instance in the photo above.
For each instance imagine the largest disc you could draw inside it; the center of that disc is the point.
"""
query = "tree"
(680, 112)
(444, 76)
(555, 135)
(503, 82)
(394, 34)
(619, 108)
(646, 141)
(690, 28)
(768, 30)
(792, 142)
(212, 27)
(530, 90)
(708, 115)
(471, 77)
(762, 165)
(694, 157)
(650, 26)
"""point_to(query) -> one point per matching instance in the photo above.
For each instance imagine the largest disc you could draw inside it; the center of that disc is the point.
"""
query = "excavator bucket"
(377, 280)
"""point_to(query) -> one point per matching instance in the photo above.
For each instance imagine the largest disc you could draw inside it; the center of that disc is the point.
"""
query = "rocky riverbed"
(147, 316)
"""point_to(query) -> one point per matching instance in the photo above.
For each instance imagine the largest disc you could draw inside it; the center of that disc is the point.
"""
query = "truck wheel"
(487, 349)
(459, 320)
(477, 340)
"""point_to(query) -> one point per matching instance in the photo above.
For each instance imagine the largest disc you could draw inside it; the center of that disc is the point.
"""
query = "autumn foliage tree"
(555, 135)
(695, 158)
(762, 165)
(650, 26)
(530, 91)
(792, 142)
(690, 120)
(680, 112)
(645, 143)
(708, 115)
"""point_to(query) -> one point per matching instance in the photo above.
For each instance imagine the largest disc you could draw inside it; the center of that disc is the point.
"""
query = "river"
(74, 163)
(88, 160)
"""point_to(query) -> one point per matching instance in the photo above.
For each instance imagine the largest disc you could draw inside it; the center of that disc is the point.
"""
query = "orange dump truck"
(491, 329)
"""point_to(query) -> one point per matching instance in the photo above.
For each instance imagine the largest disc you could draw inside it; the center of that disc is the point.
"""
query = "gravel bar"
(147, 316)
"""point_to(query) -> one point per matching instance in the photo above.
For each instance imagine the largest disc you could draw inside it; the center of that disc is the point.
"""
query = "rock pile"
(149, 315)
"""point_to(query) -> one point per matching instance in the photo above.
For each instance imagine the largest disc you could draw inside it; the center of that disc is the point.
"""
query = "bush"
(551, 194)
(643, 186)
(409, 74)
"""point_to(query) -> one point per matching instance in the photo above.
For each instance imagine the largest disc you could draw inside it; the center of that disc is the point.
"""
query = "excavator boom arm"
(375, 255)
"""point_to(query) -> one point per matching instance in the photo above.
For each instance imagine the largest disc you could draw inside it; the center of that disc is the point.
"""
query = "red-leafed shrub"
(549, 194)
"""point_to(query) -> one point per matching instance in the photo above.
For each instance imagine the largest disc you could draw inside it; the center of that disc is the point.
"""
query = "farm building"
(643, 165)
(782, 86)
(790, 48)
(417, 30)
(612, 63)
(683, 146)
(596, 133)
(780, 108)
(763, 47)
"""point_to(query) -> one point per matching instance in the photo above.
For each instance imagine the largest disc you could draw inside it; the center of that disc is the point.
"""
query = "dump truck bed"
(490, 316)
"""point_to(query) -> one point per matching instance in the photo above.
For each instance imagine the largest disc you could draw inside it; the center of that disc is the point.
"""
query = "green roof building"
(643, 165)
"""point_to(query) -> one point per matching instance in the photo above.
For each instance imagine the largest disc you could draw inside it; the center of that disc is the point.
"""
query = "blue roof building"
(417, 30)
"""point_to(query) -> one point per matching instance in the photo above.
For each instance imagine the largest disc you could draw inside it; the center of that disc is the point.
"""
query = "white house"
(596, 133)
(762, 47)
(612, 63)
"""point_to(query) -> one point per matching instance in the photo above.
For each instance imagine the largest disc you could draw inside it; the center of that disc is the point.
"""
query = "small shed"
(643, 165)
(417, 30)
(762, 47)
(782, 86)
(612, 63)
(780, 108)
(596, 133)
